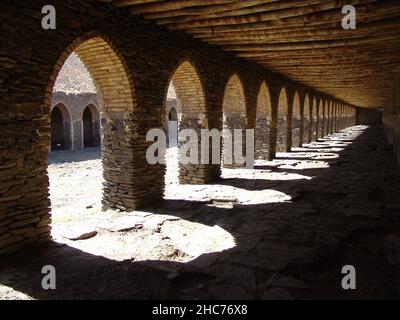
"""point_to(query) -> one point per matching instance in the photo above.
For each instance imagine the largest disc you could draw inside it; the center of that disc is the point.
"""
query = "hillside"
(74, 77)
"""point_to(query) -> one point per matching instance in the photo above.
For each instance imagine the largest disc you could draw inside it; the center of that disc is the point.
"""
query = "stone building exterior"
(80, 125)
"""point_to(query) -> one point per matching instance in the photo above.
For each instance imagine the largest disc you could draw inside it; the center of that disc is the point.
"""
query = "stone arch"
(234, 102)
(296, 121)
(190, 95)
(234, 115)
(116, 101)
(61, 131)
(191, 103)
(90, 126)
(263, 122)
(282, 123)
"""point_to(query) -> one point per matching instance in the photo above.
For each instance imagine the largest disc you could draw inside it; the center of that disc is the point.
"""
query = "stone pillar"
(317, 122)
(234, 121)
(297, 132)
(289, 123)
(24, 203)
(310, 121)
(273, 131)
(282, 136)
(129, 180)
(327, 117)
(262, 136)
(322, 114)
(301, 123)
(78, 134)
(196, 173)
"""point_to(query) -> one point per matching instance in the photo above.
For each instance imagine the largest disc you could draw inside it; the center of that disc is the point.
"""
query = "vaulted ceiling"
(302, 39)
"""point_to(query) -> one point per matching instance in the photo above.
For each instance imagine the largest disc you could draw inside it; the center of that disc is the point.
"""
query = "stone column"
(262, 136)
(24, 203)
(234, 121)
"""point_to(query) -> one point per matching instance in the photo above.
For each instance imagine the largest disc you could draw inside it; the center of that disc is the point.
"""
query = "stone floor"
(282, 230)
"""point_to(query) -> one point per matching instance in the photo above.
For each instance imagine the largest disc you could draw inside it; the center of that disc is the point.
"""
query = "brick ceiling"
(302, 39)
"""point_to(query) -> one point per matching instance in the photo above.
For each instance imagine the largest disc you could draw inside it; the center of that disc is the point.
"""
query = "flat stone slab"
(78, 233)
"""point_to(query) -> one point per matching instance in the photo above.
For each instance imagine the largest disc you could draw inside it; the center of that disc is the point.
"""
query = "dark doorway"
(173, 115)
(57, 130)
(88, 137)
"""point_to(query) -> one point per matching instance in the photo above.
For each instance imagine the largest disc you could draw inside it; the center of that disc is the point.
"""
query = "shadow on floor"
(293, 249)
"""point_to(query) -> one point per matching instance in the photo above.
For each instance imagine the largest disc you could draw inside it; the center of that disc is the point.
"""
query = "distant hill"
(74, 77)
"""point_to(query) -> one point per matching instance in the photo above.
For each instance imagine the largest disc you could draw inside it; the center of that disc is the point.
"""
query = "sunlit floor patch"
(140, 236)
(8, 293)
(76, 190)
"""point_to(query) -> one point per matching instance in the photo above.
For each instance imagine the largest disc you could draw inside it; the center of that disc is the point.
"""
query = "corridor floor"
(282, 230)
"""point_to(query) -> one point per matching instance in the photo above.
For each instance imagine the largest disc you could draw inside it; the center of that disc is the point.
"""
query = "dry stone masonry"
(132, 62)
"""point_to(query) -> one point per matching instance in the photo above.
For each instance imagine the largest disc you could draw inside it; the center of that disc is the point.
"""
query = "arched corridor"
(199, 149)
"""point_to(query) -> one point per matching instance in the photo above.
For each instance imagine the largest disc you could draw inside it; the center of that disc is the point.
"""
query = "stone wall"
(132, 62)
(296, 123)
(369, 116)
(262, 137)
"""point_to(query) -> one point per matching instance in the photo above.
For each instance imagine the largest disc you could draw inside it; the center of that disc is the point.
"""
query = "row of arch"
(291, 117)
(297, 119)
(68, 133)
(132, 68)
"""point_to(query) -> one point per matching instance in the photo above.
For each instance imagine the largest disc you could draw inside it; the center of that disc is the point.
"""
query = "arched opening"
(171, 123)
(185, 108)
(104, 182)
(263, 122)
(281, 122)
(57, 130)
(173, 114)
(234, 117)
(87, 129)
(307, 119)
(296, 121)
(91, 127)
(60, 128)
